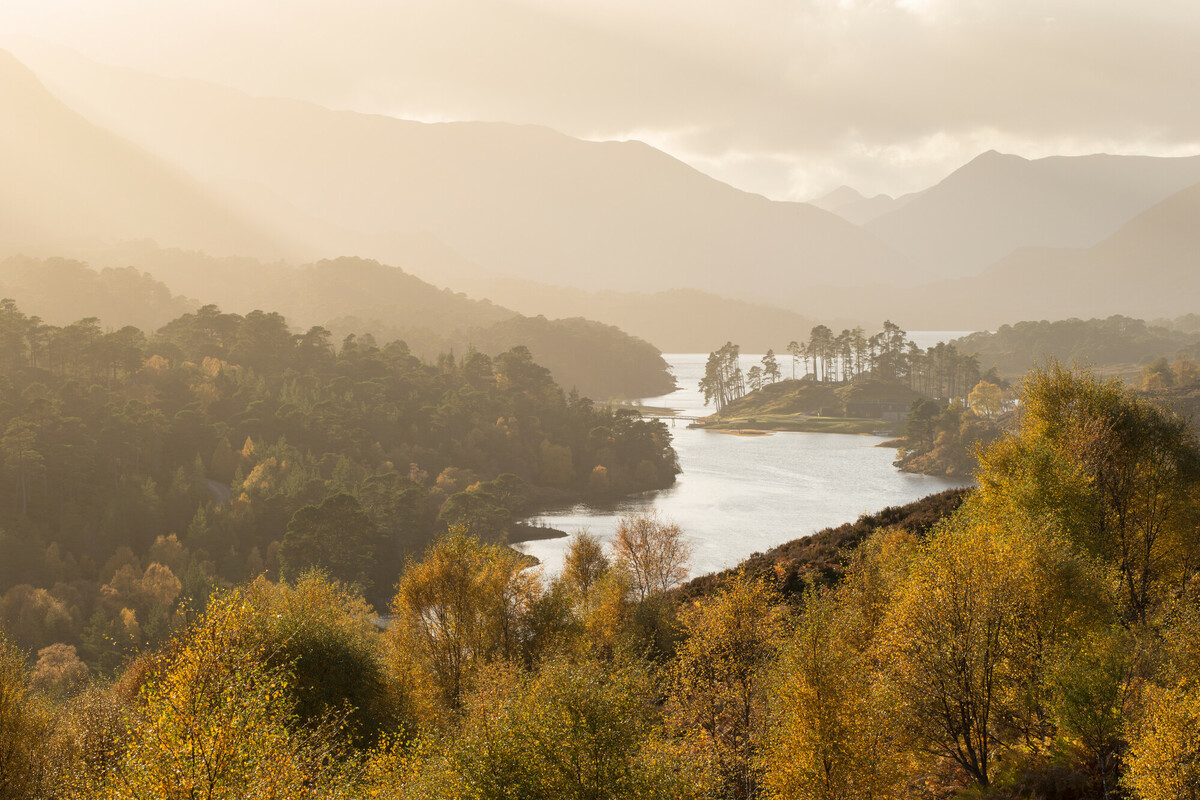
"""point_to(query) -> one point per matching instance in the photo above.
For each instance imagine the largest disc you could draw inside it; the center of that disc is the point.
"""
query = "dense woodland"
(1039, 638)
(142, 471)
(944, 438)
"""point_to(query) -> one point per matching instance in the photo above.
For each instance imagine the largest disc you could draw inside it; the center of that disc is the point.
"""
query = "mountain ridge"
(607, 215)
(998, 203)
(1147, 268)
(63, 178)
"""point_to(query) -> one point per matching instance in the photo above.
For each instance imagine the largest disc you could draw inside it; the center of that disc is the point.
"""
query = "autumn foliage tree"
(828, 735)
(1134, 471)
(213, 721)
(583, 566)
(653, 551)
(575, 729)
(719, 679)
(1040, 639)
(459, 608)
(24, 756)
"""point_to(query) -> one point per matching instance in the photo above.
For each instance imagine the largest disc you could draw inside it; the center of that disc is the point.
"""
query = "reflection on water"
(743, 494)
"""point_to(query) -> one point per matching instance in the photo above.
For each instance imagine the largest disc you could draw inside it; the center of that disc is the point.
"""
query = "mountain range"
(121, 168)
(853, 206)
(521, 201)
(1149, 267)
(999, 203)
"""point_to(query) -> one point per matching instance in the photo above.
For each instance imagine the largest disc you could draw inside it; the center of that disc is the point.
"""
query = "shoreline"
(522, 532)
(802, 424)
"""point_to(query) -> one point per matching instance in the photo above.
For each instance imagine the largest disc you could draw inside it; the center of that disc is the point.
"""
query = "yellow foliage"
(574, 730)
(24, 730)
(215, 723)
(986, 399)
(460, 607)
(1118, 474)
(156, 586)
(719, 679)
(598, 479)
(167, 550)
(266, 476)
(583, 566)
(156, 365)
(973, 626)
(1164, 756)
(58, 669)
(607, 614)
(828, 734)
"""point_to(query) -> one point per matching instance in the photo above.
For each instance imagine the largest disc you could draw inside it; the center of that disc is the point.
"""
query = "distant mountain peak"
(838, 198)
(855, 207)
(994, 154)
(990, 159)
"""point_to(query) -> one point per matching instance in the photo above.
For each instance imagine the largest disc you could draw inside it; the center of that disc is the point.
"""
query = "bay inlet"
(738, 495)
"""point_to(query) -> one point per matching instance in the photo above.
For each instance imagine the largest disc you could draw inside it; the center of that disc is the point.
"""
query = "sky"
(787, 99)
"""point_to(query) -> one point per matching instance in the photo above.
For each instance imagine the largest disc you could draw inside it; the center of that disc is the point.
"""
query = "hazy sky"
(788, 99)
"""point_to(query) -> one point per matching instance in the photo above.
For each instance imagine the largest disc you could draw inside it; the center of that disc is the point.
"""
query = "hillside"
(594, 359)
(228, 425)
(1146, 269)
(64, 180)
(999, 203)
(821, 558)
(674, 321)
(61, 291)
(607, 215)
(346, 296)
(1113, 344)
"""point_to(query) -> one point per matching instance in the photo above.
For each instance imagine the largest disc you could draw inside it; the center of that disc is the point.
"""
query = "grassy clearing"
(801, 422)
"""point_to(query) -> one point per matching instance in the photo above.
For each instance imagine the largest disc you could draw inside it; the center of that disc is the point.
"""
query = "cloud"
(779, 97)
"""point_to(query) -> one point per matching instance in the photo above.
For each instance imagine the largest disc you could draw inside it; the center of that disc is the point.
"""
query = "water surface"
(739, 495)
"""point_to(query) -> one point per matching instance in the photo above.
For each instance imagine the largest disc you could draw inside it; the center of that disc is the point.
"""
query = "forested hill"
(1117, 344)
(60, 291)
(345, 295)
(140, 469)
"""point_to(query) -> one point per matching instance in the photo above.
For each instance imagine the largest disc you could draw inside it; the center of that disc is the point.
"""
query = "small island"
(866, 406)
(934, 399)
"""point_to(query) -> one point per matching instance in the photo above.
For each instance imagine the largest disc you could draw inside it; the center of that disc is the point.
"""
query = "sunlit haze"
(456, 399)
(788, 99)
